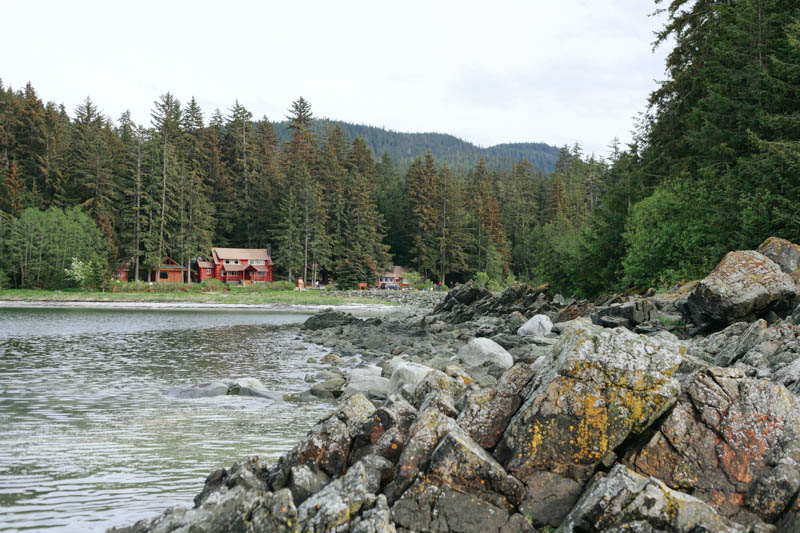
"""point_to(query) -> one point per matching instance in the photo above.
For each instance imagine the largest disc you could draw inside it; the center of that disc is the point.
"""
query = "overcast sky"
(489, 72)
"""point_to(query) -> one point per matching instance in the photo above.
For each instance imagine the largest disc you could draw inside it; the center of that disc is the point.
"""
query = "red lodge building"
(237, 265)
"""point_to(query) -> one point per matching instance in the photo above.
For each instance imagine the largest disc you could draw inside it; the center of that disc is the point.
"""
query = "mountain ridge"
(458, 154)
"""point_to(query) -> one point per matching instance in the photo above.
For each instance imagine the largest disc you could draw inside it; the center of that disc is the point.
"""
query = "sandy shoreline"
(356, 309)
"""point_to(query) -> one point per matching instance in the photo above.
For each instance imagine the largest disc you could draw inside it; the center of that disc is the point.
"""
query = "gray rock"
(481, 350)
(333, 506)
(330, 388)
(376, 520)
(407, 373)
(304, 482)
(331, 359)
(487, 412)
(327, 446)
(626, 501)
(539, 325)
(782, 252)
(328, 319)
(514, 321)
(366, 381)
(429, 427)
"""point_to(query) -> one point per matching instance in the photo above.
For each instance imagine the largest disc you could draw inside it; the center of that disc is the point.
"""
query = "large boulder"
(482, 350)
(743, 285)
(464, 489)
(626, 501)
(600, 387)
(486, 412)
(730, 441)
(782, 252)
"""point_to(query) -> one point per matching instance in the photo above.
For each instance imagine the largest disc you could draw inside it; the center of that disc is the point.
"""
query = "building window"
(231, 261)
(208, 271)
(257, 262)
(163, 275)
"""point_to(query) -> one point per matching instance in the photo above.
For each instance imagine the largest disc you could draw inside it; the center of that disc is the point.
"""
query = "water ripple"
(88, 440)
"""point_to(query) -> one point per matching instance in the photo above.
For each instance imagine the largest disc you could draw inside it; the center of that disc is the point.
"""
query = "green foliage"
(38, 247)
(669, 237)
(413, 279)
(481, 280)
(269, 287)
(213, 285)
(92, 274)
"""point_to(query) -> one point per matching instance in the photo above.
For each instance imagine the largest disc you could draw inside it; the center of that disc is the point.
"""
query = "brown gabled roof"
(221, 254)
(234, 268)
(170, 264)
(257, 268)
(205, 264)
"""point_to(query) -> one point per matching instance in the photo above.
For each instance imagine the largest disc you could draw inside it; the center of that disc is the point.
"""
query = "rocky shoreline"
(525, 411)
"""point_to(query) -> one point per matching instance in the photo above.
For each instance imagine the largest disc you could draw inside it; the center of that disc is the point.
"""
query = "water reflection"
(88, 441)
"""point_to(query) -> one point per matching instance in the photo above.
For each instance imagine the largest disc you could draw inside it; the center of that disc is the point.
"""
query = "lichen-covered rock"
(437, 381)
(305, 482)
(624, 501)
(539, 325)
(744, 284)
(600, 387)
(337, 503)
(249, 473)
(431, 425)
(731, 441)
(782, 252)
(327, 446)
(486, 412)
(482, 350)
(237, 509)
(375, 520)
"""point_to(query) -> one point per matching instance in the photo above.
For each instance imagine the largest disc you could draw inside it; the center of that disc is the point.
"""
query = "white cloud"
(505, 71)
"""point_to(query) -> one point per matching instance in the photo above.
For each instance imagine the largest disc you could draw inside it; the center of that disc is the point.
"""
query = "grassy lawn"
(237, 295)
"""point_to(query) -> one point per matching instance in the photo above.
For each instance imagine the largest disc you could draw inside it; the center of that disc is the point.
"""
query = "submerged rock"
(239, 387)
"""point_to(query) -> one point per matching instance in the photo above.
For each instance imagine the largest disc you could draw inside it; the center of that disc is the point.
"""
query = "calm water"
(88, 441)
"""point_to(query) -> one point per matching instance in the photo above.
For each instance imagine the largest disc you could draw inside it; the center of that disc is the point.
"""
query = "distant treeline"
(715, 166)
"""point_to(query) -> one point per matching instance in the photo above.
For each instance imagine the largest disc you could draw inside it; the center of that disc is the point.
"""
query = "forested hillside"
(457, 154)
(715, 166)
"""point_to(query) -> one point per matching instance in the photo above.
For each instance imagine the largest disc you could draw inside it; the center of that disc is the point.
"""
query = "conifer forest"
(714, 165)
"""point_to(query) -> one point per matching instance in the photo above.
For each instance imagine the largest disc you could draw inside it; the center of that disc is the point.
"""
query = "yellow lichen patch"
(591, 440)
